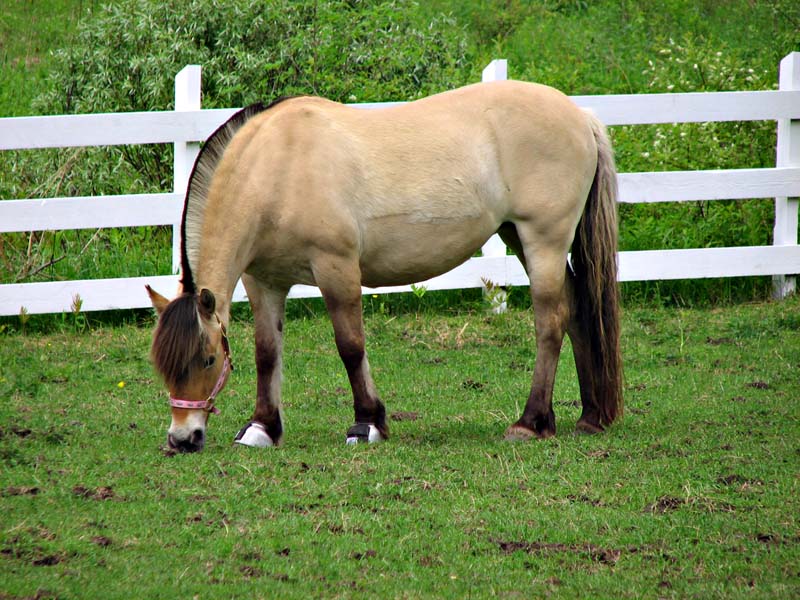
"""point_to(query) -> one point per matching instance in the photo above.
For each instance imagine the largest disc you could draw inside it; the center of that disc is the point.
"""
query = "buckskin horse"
(309, 191)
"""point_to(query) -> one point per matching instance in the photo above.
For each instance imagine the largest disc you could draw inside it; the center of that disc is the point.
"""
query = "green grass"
(29, 31)
(694, 494)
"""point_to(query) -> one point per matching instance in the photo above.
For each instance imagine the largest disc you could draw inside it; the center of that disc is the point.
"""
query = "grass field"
(694, 494)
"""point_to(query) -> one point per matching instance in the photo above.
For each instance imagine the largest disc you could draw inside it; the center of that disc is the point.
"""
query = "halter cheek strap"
(207, 404)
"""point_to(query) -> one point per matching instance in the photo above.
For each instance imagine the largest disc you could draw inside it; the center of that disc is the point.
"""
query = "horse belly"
(400, 250)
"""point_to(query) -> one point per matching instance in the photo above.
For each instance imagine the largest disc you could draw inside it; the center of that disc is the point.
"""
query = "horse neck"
(222, 286)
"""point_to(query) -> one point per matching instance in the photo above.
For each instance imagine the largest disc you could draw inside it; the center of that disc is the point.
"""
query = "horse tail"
(594, 264)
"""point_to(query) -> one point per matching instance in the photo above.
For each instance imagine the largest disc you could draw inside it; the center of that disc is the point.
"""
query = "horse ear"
(159, 302)
(207, 303)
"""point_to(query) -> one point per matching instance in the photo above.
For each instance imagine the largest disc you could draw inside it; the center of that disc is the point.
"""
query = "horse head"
(190, 350)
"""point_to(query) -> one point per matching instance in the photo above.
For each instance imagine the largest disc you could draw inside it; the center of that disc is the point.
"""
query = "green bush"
(125, 59)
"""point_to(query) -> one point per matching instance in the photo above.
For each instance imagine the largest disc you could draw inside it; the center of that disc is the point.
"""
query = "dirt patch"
(743, 483)
(606, 556)
(16, 431)
(47, 560)
(772, 539)
(584, 499)
(665, 504)
(363, 555)
(471, 384)
(404, 416)
(100, 493)
(759, 385)
(430, 561)
(21, 491)
(102, 541)
(251, 572)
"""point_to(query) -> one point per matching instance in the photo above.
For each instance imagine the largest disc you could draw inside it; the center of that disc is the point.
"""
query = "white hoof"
(363, 433)
(253, 434)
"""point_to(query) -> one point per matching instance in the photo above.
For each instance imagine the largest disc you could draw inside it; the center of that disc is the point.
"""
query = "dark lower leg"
(268, 369)
(350, 342)
(268, 312)
(589, 421)
(590, 415)
(550, 315)
(538, 415)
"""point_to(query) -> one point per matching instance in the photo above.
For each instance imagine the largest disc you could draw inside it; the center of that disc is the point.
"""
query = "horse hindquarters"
(584, 304)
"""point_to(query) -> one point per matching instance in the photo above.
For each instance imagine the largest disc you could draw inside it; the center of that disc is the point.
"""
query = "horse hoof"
(253, 434)
(518, 433)
(363, 433)
(587, 428)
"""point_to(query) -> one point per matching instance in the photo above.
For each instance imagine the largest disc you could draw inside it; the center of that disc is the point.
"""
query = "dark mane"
(178, 339)
(200, 182)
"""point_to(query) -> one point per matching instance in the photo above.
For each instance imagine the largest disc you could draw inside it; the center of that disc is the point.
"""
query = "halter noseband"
(227, 366)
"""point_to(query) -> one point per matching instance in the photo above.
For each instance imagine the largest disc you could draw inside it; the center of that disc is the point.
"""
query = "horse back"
(400, 185)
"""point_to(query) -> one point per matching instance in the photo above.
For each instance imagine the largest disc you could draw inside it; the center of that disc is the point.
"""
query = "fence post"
(497, 70)
(787, 155)
(187, 97)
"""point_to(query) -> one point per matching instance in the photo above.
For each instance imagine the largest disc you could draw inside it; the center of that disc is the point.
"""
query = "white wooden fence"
(187, 125)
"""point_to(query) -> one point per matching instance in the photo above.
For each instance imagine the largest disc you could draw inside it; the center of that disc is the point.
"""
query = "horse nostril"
(193, 443)
(197, 438)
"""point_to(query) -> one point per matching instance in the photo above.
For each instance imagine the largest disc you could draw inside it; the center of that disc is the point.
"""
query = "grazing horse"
(308, 191)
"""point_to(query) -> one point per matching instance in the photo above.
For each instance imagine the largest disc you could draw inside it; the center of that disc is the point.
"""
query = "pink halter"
(208, 404)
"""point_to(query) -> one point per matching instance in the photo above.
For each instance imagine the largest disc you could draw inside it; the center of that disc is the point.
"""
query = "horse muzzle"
(194, 443)
(187, 432)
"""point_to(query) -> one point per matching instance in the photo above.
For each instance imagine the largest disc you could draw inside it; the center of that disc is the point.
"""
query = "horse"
(310, 191)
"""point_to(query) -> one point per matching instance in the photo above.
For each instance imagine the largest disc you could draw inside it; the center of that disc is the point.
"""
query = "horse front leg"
(342, 294)
(265, 427)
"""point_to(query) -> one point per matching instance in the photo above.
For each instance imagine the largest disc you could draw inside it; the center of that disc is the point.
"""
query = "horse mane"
(199, 184)
(178, 339)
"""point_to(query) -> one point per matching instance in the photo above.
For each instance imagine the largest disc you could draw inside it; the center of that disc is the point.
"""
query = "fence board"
(644, 109)
(649, 265)
(733, 184)
(89, 212)
(110, 129)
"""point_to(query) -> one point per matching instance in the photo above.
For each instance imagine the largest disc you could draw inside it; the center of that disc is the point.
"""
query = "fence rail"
(186, 126)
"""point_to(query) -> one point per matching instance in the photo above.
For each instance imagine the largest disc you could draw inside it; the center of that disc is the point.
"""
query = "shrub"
(125, 59)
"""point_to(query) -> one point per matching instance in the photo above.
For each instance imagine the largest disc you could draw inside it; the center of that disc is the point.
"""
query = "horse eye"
(209, 361)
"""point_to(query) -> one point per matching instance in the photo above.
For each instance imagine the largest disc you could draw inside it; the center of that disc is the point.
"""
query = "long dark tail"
(594, 263)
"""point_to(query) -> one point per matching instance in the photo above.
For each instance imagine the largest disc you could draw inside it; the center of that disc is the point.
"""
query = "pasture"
(694, 494)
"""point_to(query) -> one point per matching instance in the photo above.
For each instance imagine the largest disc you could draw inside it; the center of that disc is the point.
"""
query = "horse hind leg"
(340, 284)
(590, 420)
(551, 312)
(265, 427)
